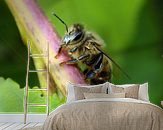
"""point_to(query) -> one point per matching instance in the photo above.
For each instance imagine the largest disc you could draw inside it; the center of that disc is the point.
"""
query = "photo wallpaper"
(131, 33)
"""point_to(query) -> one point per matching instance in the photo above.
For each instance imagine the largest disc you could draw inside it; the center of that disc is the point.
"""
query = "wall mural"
(120, 42)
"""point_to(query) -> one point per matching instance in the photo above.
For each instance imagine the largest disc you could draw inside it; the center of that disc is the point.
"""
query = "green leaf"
(11, 98)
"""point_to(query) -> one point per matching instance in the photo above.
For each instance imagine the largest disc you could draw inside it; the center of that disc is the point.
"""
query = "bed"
(90, 110)
(106, 114)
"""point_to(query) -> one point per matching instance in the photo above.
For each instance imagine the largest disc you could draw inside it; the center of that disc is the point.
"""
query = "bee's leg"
(59, 51)
(73, 49)
(83, 57)
(74, 61)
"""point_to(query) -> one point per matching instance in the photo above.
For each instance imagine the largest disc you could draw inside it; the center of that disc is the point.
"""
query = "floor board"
(5, 126)
(11, 127)
(21, 126)
(39, 124)
(1, 124)
(17, 126)
(30, 125)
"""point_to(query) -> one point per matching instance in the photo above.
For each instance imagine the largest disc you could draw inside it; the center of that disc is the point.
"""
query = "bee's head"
(74, 35)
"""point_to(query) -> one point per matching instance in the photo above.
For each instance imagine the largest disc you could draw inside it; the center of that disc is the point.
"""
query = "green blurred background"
(131, 30)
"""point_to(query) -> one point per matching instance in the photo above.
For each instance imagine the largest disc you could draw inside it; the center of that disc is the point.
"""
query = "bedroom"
(132, 37)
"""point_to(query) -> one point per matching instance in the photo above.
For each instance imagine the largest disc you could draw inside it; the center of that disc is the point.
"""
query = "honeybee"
(86, 50)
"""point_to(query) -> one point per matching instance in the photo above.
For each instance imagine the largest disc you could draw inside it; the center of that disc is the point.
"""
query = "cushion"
(131, 91)
(143, 90)
(79, 91)
(76, 91)
(103, 95)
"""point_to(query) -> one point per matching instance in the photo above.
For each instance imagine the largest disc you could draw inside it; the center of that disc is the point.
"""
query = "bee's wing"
(114, 63)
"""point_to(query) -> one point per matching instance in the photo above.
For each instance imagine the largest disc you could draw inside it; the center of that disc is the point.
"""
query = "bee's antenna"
(61, 21)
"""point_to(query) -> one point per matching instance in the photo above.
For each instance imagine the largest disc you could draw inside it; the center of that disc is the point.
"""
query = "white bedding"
(128, 100)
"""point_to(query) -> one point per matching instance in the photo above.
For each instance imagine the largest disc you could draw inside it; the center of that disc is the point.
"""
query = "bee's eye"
(78, 36)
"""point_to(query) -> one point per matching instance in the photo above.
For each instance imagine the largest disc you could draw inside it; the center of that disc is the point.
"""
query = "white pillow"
(143, 90)
(71, 93)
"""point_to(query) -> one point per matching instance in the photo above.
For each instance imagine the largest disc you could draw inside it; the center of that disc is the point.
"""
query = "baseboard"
(20, 117)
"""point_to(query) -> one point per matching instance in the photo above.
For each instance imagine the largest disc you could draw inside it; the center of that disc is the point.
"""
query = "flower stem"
(34, 26)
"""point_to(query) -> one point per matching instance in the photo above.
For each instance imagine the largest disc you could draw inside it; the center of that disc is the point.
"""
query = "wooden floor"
(17, 126)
